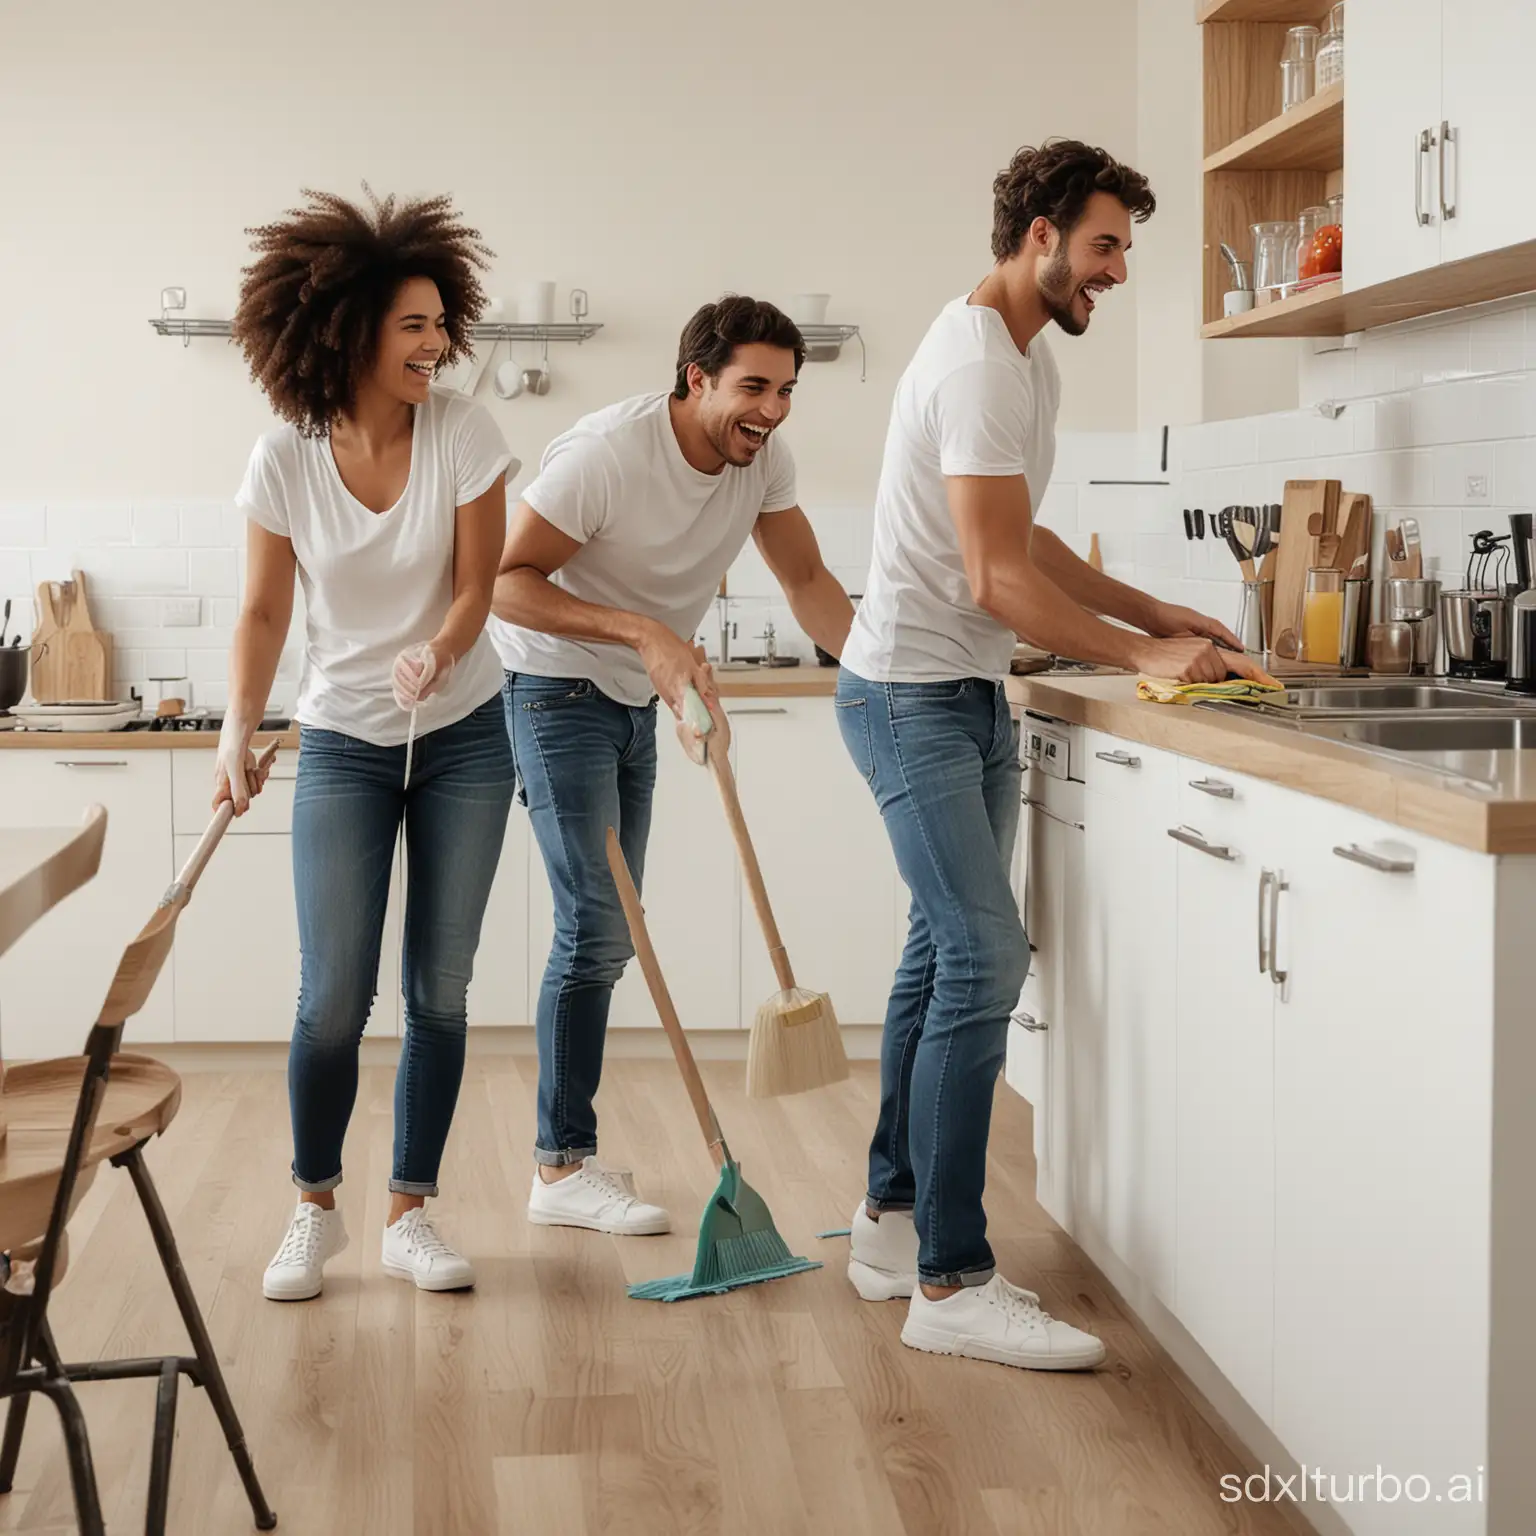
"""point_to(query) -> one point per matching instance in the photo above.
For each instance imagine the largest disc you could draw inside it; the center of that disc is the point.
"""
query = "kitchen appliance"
(1416, 602)
(1476, 628)
(1298, 67)
(1522, 643)
(1522, 547)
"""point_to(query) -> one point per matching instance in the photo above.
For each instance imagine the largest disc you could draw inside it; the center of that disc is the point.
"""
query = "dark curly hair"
(1055, 182)
(716, 330)
(324, 278)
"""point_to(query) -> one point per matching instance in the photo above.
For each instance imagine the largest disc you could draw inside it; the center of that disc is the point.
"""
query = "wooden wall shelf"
(1309, 138)
(1331, 311)
(1296, 12)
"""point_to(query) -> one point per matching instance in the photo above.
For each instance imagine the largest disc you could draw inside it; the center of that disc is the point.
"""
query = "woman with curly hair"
(387, 497)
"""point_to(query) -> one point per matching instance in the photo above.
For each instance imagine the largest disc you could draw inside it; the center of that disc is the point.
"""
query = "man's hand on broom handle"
(718, 735)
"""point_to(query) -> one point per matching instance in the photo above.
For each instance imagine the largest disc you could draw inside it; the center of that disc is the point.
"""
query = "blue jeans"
(584, 763)
(943, 762)
(347, 808)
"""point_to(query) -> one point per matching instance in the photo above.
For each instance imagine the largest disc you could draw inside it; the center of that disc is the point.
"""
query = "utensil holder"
(1255, 616)
(1354, 623)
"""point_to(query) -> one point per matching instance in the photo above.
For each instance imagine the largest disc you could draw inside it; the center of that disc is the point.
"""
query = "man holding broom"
(611, 560)
(958, 573)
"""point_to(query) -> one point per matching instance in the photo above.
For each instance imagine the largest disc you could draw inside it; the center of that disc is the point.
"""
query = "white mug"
(809, 308)
(1236, 301)
(536, 303)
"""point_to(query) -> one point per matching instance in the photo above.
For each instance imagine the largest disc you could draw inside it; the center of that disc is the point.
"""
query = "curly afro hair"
(324, 278)
(1055, 182)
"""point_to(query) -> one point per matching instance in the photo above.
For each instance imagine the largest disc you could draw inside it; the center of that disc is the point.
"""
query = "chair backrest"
(64, 864)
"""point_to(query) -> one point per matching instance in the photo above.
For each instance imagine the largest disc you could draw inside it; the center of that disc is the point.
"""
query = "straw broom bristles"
(795, 1045)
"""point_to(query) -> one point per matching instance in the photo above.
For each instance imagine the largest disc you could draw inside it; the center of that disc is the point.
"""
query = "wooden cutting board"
(1354, 529)
(1298, 548)
(71, 658)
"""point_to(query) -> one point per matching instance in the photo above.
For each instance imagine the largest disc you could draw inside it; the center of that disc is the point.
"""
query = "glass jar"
(1298, 67)
(1330, 51)
(1320, 244)
(1271, 245)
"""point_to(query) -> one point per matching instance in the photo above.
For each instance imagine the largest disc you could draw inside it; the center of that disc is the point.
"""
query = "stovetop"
(199, 723)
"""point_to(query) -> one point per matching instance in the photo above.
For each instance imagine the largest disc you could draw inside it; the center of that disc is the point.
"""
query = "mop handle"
(634, 915)
(180, 889)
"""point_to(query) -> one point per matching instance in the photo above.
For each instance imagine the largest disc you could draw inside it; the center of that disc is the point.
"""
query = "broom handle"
(634, 915)
(725, 781)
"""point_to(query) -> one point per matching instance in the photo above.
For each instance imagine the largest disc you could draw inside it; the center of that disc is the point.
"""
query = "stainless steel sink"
(1472, 733)
(1395, 697)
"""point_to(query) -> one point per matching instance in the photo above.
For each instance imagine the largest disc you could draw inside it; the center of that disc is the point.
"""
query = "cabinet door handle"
(1119, 759)
(1447, 205)
(94, 762)
(736, 714)
(1278, 883)
(1377, 861)
(1264, 878)
(1214, 787)
(1192, 839)
(1422, 147)
(1031, 1023)
(1050, 815)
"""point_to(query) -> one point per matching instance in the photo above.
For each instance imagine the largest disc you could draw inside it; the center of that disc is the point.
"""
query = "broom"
(738, 1242)
(795, 1043)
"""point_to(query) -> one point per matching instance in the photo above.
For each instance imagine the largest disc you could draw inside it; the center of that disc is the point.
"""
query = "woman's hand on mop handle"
(237, 775)
(419, 672)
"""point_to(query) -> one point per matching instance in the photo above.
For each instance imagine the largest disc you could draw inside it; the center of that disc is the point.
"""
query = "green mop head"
(738, 1245)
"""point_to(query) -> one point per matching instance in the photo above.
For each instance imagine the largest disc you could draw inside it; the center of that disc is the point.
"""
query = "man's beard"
(1057, 291)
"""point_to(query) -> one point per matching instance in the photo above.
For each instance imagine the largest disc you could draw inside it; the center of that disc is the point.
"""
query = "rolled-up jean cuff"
(317, 1186)
(880, 1207)
(562, 1159)
(405, 1187)
(958, 1277)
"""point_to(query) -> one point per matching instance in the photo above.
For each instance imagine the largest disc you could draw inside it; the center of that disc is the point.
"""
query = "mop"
(795, 1042)
(738, 1242)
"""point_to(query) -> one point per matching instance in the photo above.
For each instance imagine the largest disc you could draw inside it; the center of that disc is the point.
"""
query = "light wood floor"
(546, 1401)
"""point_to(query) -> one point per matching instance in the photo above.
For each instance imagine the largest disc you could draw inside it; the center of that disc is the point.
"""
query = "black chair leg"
(82, 1473)
(160, 1454)
(197, 1330)
(10, 1447)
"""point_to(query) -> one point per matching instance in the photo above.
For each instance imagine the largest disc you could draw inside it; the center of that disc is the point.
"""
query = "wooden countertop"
(1501, 819)
(807, 681)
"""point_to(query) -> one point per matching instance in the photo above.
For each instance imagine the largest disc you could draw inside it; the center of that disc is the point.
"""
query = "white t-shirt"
(656, 535)
(376, 582)
(970, 403)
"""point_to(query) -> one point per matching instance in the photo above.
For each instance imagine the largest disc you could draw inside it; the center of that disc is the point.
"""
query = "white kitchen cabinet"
(1119, 1034)
(1391, 98)
(1489, 104)
(54, 981)
(1413, 197)
(1224, 1288)
(825, 856)
(691, 903)
(236, 956)
(1382, 1085)
(499, 992)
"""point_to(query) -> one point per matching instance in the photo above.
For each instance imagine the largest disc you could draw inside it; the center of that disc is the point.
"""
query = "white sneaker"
(597, 1198)
(314, 1235)
(882, 1255)
(999, 1322)
(414, 1251)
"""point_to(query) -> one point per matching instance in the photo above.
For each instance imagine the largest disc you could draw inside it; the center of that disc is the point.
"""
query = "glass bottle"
(1298, 67)
(1330, 50)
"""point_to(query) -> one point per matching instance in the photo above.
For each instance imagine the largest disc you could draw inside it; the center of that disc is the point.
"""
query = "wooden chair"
(67, 1118)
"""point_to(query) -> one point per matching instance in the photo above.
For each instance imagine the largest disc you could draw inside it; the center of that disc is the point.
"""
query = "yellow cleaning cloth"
(1239, 690)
